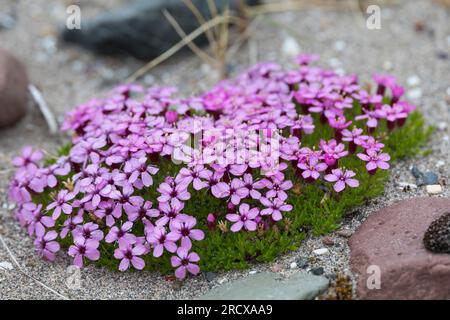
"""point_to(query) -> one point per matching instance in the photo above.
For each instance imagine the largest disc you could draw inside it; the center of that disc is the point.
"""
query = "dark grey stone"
(210, 276)
(302, 262)
(140, 29)
(317, 271)
(416, 172)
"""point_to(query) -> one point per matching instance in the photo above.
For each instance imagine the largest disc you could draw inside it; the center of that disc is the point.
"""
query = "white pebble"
(440, 163)
(442, 125)
(339, 45)
(293, 265)
(434, 189)
(340, 72)
(253, 272)
(448, 91)
(387, 65)
(413, 81)
(320, 251)
(290, 47)
(334, 63)
(5, 265)
(415, 94)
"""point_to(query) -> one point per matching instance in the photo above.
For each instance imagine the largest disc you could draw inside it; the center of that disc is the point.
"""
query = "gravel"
(68, 76)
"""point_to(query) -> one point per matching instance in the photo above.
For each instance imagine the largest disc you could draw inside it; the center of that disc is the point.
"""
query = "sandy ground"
(68, 76)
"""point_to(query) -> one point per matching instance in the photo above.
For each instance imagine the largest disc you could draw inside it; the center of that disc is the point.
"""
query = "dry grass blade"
(179, 45)
(201, 20)
(44, 108)
(202, 55)
(13, 258)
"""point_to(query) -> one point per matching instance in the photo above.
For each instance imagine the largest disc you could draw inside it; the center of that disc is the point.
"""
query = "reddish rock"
(13, 89)
(392, 240)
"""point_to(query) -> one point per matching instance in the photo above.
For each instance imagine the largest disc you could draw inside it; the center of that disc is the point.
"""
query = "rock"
(302, 262)
(6, 265)
(428, 178)
(339, 45)
(413, 81)
(13, 89)
(345, 233)
(290, 47)
(442, 55)
(318, 271)
(437, 237)
(293, 265)
(416, 172)
(434, 189)
(320, 251)
(210, 276)
(415, 94)
(328, 241)
(7, 21)
(252, 272)
(270, 286)
(140, 29)
(277, 268)
(448, 91)
(391, 239)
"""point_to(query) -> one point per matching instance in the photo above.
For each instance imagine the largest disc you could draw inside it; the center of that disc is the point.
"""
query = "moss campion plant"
(238, 174)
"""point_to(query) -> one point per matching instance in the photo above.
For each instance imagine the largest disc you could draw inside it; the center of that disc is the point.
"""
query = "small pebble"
(290, 47)
(416, 172)
(293, 265)
(440, 163)
(442, 125)
(345, 233)
(6, 265)
(328, 241)
(210, 276)
(387, 65)
(320, 251)
(339, 45)
(442, 55)
(434, 189)
(415, 94)
(413, 81)
(317, 271)
(334, 63)
(427, 178)
(448, 91)
(302, 262)
(253, 272)
(277, 268)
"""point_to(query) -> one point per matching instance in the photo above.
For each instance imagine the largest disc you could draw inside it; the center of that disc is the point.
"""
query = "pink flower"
(245, 218)
(130, 253)
(28, 157)
(375, 160)
(46, 246)
(278, 187)
(312, 168)
(170, 190)
(160, 241)
(342, 178)
(38, 221)
(84, 249)
(184, 229)
(274, 207)
(121, 234)
(61, 204)
(185, 261)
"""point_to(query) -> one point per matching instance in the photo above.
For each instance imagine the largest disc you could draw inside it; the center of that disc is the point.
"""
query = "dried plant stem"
(201, 20)
(21, 269)
(203, 55)
(44, 108)
(179, 45)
